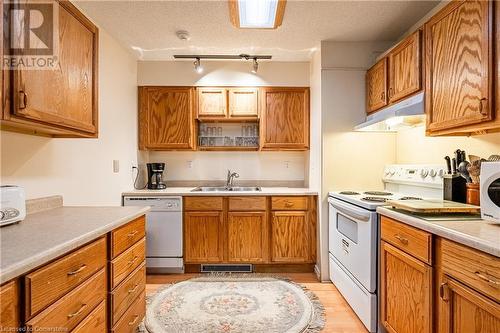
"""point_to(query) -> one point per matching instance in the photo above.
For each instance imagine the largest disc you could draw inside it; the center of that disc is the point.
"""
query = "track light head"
(197, 66)
(255, 66)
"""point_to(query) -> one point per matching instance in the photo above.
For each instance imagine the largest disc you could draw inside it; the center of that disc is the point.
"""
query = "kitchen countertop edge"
(187, 191)
(32, 262)
(448, 232)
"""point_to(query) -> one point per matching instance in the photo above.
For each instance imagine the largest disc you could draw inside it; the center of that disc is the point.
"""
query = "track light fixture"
(255, 66)
(197, 66)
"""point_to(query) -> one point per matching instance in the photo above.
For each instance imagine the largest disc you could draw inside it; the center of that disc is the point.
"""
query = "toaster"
(12, 204)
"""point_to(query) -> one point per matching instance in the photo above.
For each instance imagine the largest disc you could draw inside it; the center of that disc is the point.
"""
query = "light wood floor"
(339, 316)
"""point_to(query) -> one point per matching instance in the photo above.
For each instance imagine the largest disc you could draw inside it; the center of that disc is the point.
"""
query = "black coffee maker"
(155, 175)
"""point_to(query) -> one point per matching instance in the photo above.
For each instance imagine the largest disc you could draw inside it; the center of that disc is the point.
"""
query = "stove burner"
(410, 198)
(377, 193)
(374, 199)
(349, 193)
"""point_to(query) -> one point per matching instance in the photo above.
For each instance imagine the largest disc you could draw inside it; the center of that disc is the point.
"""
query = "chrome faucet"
(230, 178)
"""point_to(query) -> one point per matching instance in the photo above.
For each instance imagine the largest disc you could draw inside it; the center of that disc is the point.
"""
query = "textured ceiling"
(148, 27)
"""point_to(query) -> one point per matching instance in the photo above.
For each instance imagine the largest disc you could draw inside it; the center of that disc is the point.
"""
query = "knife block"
(454, 188)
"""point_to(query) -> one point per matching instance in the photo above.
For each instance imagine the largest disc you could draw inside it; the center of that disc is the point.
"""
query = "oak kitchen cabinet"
(81, 291)
(166, 118)
(60, 102)
(459, 68)
(285, 119)
(376, 86)
(396, 76)
(237, 229)
(227, 103)
(432, 284)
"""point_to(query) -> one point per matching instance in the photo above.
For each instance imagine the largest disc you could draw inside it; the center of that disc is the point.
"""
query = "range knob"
(441, 173)
(432, 173)
(392, 172)
(424, 173)
(2, 215)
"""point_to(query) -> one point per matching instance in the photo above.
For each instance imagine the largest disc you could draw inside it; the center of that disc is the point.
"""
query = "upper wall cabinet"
(285, 119)
(60, 101)
(405, 68)
(227, 103)
(459, 68)
(166, 118)
(376, 86)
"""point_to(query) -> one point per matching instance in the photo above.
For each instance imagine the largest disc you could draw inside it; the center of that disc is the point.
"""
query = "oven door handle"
(350, 211)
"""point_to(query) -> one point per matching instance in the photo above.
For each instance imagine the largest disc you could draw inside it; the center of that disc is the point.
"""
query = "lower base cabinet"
(406, 292)
(290, 236)
(202, 236)
(464, 310)
(247, 237)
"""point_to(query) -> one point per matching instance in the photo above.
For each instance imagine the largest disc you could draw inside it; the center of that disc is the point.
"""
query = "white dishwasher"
(163, 232)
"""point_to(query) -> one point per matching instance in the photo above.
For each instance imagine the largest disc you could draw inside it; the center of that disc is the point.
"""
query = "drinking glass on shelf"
(219, 131)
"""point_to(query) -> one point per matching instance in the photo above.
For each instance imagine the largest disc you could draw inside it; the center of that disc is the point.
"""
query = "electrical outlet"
(287, 164)
(190, 164)
(116, 166)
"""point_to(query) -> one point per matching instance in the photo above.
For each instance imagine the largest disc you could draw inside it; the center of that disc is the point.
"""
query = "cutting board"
(433, 206)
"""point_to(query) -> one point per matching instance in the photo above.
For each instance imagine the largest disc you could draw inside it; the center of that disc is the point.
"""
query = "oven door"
(353, 240)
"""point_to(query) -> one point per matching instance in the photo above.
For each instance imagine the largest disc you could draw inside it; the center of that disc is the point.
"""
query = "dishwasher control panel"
(172, 204)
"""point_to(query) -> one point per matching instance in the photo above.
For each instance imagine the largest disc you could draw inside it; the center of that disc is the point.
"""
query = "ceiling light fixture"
(257, 14)
(255, 66)
(197, 66)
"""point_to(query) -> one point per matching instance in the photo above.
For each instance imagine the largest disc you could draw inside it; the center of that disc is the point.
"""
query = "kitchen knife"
(464, 157)
(454, 165)
(458, 156)
(448, 164)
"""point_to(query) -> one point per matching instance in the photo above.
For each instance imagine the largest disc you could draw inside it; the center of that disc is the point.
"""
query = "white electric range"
(354, 233)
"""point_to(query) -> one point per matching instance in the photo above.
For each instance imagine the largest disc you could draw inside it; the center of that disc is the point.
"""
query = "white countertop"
(44, 236)
(186, 191)
(478, 234)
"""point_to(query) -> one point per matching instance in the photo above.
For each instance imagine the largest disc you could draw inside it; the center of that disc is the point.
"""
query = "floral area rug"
(234, 304)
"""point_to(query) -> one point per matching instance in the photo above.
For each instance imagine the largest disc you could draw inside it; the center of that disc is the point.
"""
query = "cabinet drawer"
(127, 262)
(50, 282)
(289, 203)
(409, 239)
(247, 203)
(9, 307)
(126, 293)
(131, 319)
(479, 270)
(73, 307)
(203, 203)
(127, 235)
(95, 322)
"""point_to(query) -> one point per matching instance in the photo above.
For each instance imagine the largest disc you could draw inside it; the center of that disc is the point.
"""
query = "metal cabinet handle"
(401, 239)
(444, 291)
(487, 279)
(24, 99)
(130, 291)
(131, 262)
(132, 234)
(133, 321)
(288, 204)
(74, 314)
(82, 267)
(482, 108)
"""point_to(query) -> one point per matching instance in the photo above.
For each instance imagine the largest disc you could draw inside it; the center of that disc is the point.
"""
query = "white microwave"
(490, 191)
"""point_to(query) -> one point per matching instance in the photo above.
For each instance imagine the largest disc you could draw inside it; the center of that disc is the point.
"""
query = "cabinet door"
(247, 236)
(458, 65)
(166, 118)
(203, 236)
(376, 86)
(404, 68)
(65, 97)
(405, 292)
(243, 102)
(465, 310)
(9, 307)
(285, 119)
(212, 102)
(290, 241)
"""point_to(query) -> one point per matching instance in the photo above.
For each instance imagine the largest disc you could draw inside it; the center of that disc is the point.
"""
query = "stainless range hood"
(406, 113)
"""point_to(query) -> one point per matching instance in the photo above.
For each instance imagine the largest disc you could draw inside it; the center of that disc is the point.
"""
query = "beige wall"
(414, 147)
(213, 165)
(81, 169)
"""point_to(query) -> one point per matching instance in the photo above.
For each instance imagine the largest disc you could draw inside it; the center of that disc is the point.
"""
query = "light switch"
(116, 166)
